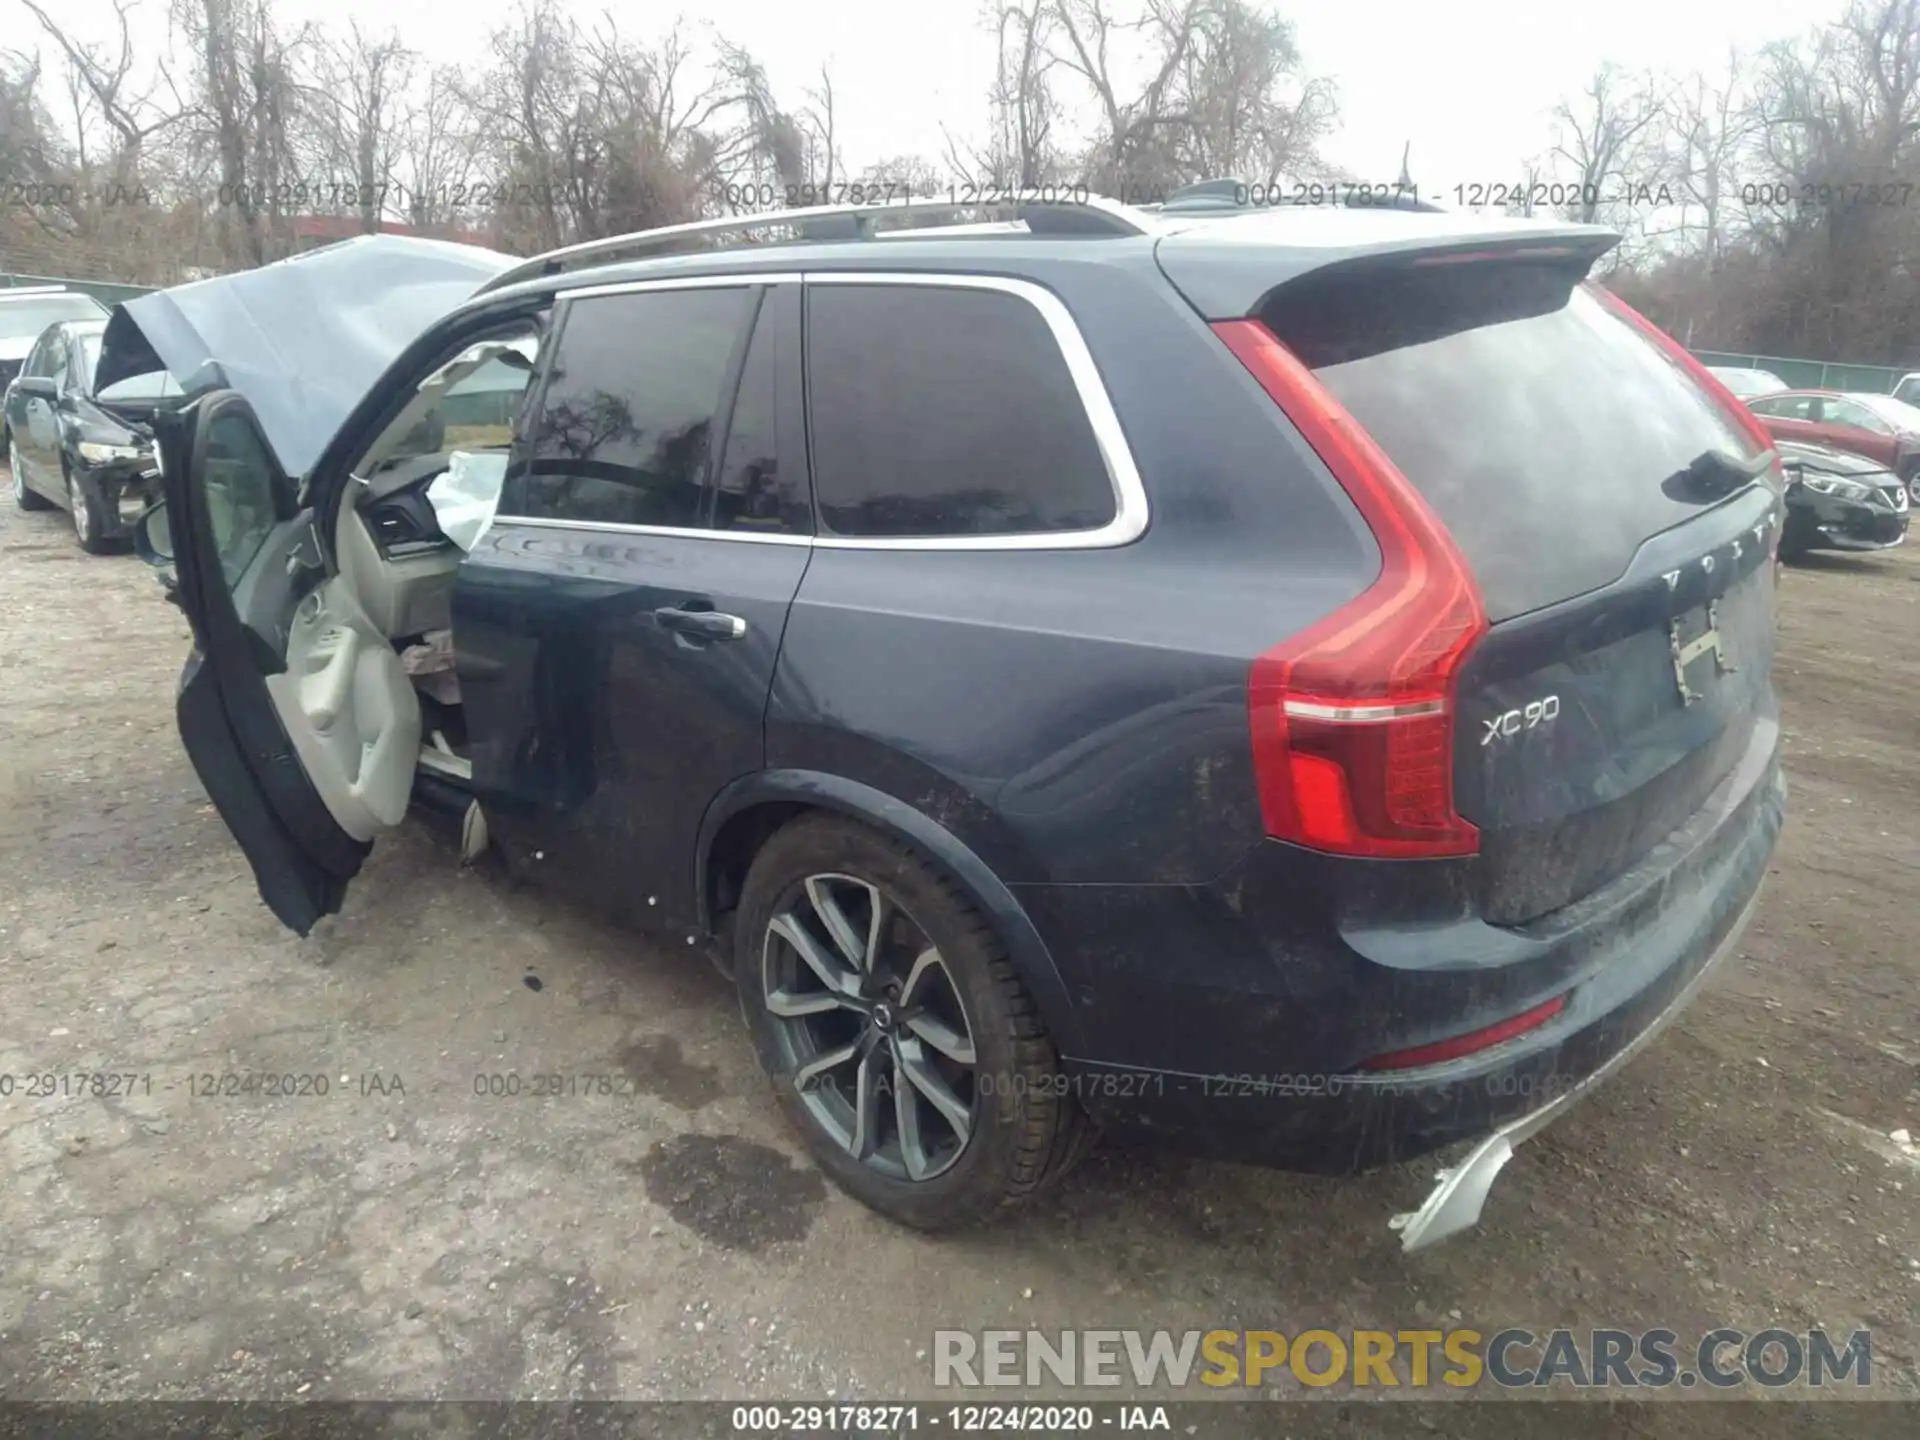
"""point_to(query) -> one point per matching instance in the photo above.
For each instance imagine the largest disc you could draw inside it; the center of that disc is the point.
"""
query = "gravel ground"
(404, 1236)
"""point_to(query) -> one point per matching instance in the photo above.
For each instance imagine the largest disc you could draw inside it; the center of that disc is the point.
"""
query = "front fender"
(893, 816)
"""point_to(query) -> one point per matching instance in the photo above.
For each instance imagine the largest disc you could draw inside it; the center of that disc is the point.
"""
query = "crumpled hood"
(302, 339)
(1826, 458)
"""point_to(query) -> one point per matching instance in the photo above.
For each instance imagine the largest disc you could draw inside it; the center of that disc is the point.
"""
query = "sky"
(1469, 86)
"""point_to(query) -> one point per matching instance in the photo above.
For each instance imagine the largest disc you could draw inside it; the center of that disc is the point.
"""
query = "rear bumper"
(1209, 1042)
(1454, 1203)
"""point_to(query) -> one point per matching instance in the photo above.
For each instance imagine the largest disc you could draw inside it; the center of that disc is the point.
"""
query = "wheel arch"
(744, 815)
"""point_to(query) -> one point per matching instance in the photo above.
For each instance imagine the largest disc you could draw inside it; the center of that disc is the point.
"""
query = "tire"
(23, 498)
(89, 519)
(1024, 1129)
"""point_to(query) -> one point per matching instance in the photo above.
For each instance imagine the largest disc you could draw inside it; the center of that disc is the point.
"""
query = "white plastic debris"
(1901, 1137)
(465, 495)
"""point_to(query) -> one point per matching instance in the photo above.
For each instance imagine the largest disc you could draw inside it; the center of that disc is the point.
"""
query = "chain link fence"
(1812, 374)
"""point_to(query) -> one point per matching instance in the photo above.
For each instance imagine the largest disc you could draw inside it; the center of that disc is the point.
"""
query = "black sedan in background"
(1837, 500)
(90, 454)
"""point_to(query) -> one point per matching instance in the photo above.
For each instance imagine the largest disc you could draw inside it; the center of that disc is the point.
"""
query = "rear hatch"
(1619, 521)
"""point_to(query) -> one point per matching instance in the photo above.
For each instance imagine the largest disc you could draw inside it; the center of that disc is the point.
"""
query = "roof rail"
(1093, 215)
(1231, 196)
(7, 290)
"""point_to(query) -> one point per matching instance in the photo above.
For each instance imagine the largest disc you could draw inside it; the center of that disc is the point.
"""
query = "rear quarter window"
(943, 410)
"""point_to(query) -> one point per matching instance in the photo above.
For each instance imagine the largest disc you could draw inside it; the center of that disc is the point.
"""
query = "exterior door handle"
(700, 624)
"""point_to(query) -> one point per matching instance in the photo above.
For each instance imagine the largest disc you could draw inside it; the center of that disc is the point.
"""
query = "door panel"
(615, 671)
(599, 735)
(288, 713)
(351, 711)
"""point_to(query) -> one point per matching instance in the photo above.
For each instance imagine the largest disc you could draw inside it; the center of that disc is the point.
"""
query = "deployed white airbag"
(465, 495)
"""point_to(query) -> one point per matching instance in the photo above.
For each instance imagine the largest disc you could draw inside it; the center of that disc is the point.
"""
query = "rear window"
(1539, 425)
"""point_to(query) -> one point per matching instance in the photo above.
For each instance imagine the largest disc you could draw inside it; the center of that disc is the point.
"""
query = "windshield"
(26, 318)
(158, 385)
(1894, 412)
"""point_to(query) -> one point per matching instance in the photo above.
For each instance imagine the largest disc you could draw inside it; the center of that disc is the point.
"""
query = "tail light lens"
(1353, 719)
(1471, 1043)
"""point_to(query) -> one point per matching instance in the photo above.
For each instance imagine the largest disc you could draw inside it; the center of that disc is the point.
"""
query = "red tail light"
(1353, 718)
(1472, 1042)
(1748, 422)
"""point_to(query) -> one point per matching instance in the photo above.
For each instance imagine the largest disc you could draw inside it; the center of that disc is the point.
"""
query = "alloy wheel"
(872, 1027)
(77, 507)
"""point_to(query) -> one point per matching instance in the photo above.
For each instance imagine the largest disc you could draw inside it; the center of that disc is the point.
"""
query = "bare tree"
(30, 150)
(107, 75)
(433, 150)
(251, 117)
(1022, 152)
(1254, 115)
(1602, 137)
(1710, 130)
(363, 86)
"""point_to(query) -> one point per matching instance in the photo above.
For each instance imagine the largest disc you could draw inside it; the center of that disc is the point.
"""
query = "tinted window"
(1541, 427)
(237, 486)
(57, 360)
(750, 492)
(945, 411)
(626, 426)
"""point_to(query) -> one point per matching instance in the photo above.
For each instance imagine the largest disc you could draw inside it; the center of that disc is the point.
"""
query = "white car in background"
(1746, 383)
(25, 312)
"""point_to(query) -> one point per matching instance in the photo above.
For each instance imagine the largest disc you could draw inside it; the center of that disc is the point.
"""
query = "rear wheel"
(23, 497)
(899, 1041)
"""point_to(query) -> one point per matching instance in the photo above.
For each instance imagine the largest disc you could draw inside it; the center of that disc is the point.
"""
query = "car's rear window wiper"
(1720, 472)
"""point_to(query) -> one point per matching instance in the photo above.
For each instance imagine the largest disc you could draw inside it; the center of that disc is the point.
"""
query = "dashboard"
(397, 513)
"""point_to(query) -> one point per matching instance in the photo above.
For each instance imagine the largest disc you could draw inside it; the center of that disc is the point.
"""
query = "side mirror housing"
(153, 537)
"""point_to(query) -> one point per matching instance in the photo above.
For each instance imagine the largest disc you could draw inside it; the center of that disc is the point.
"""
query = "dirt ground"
(404, 1236)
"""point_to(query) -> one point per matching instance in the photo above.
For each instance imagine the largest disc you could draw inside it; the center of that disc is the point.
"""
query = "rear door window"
(1542, 428)
(627, 429)
(941, 410)
(1847, 412)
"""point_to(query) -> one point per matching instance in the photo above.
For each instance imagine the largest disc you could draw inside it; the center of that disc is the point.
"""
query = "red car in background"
(1877, 426)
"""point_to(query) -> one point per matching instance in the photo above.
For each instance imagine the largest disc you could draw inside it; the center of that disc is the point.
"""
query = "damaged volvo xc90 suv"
(1294, 685)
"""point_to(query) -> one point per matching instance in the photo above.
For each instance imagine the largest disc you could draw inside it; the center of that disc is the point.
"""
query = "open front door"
(294, 708)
